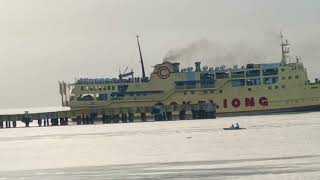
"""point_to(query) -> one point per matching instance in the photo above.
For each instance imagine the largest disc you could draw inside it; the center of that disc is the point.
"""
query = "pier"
(64, 116)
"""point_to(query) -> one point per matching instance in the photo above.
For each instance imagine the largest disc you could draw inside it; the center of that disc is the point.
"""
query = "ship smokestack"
(198, 68)
(176, 67)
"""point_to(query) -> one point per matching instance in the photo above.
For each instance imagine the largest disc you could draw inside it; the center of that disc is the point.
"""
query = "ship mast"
(141, 60)
(284, 49)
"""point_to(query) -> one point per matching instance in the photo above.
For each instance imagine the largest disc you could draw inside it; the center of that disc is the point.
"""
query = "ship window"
(207, 76)
(207, 80)
(270, 72)
(100, 88)
(253, 82)
(239, 74)
(297, 77)
(191, 84)
(283, 78)
(82, 88)
(282, 69)
(269, 87)
(113, 88)
(253, 73)
(122, 88)
(290, 77)
(276, 87)
(91, 88)
(249, 89)
(192, 92)
(205, 92)
(109, 88)
(222, 75)
(117, 96)
(270, 80)
(221, 91)
(102, 97)
(86, 97)
(211, 91)
(238, 82)
(217, 107)
(104, 88)
(180, 85)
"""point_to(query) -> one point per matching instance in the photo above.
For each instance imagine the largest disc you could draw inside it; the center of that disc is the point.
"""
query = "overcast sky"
(44, 41)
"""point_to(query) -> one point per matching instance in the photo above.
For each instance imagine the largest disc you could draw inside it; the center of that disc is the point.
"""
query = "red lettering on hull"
(248, 102)
(263, 101)
(236, 103)
(225, 103)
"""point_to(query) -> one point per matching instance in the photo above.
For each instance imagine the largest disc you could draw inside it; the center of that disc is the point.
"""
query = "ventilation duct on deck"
(198, 68)
(176, 67)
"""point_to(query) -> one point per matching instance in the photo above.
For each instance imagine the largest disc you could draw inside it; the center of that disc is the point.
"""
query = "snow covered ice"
(272, 147)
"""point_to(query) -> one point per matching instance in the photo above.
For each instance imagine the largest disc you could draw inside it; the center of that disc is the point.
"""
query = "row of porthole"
(87, 88)
(296, 101)
(277, 87)
(221, 91)
(204, 92)
(290, 77)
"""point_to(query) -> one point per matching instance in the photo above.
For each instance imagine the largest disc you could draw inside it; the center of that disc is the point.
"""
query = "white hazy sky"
(44, 41)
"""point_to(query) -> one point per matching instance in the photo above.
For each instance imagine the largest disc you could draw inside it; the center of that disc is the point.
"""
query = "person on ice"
(237, 126)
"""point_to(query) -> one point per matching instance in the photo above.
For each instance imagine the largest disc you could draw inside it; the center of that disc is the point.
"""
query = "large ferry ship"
(253, 88)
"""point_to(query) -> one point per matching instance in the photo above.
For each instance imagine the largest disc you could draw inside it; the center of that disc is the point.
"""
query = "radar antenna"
(141, 60)
(285, 50)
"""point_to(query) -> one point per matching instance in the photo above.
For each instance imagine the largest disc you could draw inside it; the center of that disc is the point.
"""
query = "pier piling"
(78, 119)
(27, 123)
(7, 124)
(182, 115)
(131, 117)
(169, 116)
(66, 121)
(45, 122)
(40, 122)
(104, 119)
(124, 118)
(143, 117)
(61, 121)
(108, 119)
(87, 119)
(116, 118)
(195, 114)
(92, 118)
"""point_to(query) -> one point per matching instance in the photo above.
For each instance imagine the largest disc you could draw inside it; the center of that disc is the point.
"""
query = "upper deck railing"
(110, 81)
